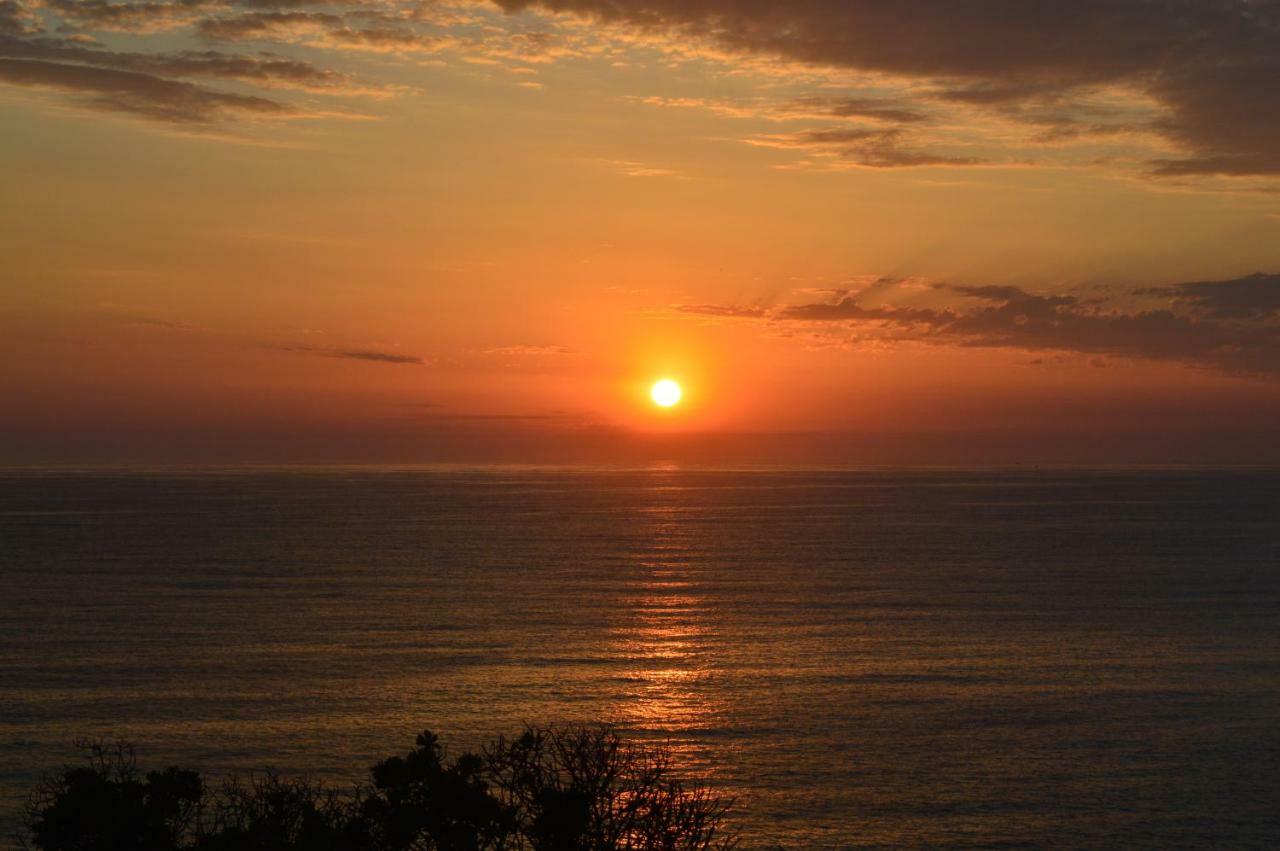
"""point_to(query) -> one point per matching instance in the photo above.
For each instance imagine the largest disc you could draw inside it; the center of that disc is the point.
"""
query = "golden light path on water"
(665, 634)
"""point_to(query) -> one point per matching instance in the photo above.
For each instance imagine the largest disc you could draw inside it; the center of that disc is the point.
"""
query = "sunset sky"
(912, 232)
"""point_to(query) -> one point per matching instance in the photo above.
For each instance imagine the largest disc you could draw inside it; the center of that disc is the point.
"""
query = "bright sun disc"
(665, 393)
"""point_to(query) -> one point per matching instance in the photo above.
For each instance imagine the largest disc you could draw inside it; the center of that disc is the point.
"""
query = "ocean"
(865, 658)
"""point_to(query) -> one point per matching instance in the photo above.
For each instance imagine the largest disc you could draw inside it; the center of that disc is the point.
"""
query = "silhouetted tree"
(104, 805)
(268, 812)
(419, 801)
(584, 788)
(549, 789)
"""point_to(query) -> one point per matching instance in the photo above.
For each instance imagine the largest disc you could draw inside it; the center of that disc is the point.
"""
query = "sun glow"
(665, 393)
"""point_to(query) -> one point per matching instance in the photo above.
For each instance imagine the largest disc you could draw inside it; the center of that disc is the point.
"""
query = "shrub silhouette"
(270, 812)
(576, 788)
(106, 805)
(421, 801)
(587, 788)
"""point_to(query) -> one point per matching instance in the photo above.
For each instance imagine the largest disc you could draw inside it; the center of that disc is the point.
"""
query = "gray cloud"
(262, 70)
(1214, 65)
(143, 320)
(726, 311)
(130, 16)
(136, 93)
(852, 107)
(151, 15)
(531, 350)
(361, 28)
(1211, 66)
(380, 357)
(1256, 296)
(849, 308)
(16, 19)
(158, 85)
(871, 148)
(372, 355)
(1204, 325)
(264, 24)
(554, 417)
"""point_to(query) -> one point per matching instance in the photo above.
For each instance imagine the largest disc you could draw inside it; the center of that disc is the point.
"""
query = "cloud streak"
(157, 85)
(1229, 326)
(722, 311)
(1255, 297)
(137, 93)
(263, 70)
(371, 355)
(364, 30)
(1213, 66)
(870, 148)
(1192, 82)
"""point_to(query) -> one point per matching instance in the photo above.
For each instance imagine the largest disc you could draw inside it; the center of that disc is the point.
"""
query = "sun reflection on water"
(665, 634)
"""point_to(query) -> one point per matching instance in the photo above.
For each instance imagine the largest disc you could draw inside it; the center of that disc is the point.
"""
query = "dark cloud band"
(134, 92)
(1214, 64)
(1227, 325)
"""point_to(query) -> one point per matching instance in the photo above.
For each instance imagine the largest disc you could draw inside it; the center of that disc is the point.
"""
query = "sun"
(665, 393)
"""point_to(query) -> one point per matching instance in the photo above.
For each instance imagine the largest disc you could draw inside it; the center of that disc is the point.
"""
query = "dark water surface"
(896, 658)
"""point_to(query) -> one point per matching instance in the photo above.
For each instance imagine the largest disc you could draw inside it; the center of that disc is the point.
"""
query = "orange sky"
(270, 230)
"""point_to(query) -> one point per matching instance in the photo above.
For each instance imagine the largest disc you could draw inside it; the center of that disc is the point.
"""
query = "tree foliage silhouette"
(576, 788)
(105, 805)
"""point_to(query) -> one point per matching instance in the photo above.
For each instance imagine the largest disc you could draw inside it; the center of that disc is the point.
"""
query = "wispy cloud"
(372, 355)
(263, 70)
(722, 311)
(889, 85)
(1228, 325)
(1255, 297)
(137, 93)
(1211, 66)
(867, 147)
(531, 350)
(894, 111)
(357, 30)
(631, 168)
(128, 316)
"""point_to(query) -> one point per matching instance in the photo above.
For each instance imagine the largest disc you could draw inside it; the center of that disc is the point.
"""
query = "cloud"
(137, 93)
(1256, 296)
(372, 355)
(720, 107)
(126, 315)
(631, 168)
(156, 322)
(1192, 82)
(379, 357)
(264, 70)
(161, 85)
(140, 17)
(552, 417)
(848, 308)
(876, 109)
(1213, 65)
(530, 350)
(885, 143)
(869, 148)
(361, 29)
(1224, 325)
(726, 311)
(16, 19)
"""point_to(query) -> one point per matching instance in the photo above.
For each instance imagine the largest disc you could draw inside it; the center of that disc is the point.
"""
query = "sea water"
(861, 657)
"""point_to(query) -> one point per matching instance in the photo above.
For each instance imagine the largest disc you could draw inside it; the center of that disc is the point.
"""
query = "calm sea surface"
(1062, 659)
